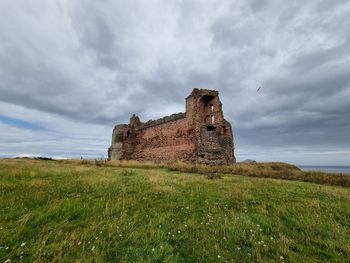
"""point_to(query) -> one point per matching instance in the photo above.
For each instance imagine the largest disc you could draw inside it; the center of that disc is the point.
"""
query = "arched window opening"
(211, 108)
(212, 119)
(128, 133)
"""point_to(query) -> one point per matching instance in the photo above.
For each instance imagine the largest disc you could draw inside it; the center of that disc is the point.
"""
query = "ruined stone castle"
(199, 135)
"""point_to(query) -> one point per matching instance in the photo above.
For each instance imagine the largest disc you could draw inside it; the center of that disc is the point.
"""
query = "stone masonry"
(200, 135)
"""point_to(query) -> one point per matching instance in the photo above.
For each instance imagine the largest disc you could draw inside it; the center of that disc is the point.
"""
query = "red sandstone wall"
(170, 141)
(201, 135)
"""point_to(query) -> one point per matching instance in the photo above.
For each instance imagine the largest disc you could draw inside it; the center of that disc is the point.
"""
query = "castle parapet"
(170, 118)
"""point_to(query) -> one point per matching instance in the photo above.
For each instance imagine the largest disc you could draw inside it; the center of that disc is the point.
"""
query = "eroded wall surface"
(170, 141)
(200, 135)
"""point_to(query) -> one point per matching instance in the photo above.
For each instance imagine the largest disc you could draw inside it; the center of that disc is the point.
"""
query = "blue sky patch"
(20, 123)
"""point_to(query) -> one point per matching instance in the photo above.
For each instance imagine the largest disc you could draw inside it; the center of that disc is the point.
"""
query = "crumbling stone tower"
(200, 135)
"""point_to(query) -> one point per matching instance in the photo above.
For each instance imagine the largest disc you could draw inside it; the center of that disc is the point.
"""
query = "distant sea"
(327, 169)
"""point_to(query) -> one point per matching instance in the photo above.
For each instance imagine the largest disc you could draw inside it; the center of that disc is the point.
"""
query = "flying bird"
(258, 89)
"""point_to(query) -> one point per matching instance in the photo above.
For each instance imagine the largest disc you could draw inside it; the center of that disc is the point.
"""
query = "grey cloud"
(93, 64)
(258, 5)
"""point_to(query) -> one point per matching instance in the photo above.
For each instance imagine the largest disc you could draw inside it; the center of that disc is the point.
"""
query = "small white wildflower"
(153, 249)
(238, 248)
(265, 245)
(79, 243)
(179, 231)
(7, 260)
(185, 225)
(161, 246)
(219, 256)
(93, 248)
(120, 235)
(22, 253)
(225, 238)
(259, 243)
(23, 244)
(100, 232)
(89, 242)
(21, 257)
(6, 248)
(271, 238)
(281, 257)
(96, 238)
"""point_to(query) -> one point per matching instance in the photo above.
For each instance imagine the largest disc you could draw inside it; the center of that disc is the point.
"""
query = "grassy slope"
(68, 212)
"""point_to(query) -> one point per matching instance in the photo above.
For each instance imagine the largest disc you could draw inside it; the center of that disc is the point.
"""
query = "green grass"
(266, 170)
(72, 212)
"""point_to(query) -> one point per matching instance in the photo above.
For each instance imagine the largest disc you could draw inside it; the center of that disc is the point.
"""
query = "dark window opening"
(210, 128)
(207, 98)
(128, 133)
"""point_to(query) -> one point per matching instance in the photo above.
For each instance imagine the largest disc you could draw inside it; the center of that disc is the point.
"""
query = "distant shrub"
(44, 158)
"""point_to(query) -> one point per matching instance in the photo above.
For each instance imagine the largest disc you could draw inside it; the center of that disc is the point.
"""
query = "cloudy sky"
(70, 70)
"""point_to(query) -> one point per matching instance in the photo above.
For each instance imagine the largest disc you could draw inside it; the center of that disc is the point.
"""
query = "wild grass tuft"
(213, 176)
(128, 172)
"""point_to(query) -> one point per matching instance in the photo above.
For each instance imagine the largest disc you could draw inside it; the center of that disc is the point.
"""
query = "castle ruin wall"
(200, 135)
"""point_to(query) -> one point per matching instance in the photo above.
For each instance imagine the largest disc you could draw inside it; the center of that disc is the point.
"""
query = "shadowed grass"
(73, 212)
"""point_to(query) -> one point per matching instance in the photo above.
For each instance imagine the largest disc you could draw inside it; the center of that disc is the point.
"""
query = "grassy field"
(68, 211)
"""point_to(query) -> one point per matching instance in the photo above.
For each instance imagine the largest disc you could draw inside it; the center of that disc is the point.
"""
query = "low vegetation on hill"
(275, 170)
(268, 170)
(73, 211)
